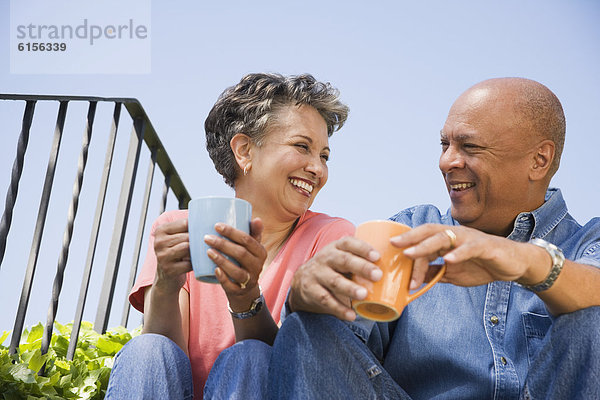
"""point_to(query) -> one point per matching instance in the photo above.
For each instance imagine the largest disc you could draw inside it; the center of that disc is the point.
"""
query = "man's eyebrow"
(462, 137)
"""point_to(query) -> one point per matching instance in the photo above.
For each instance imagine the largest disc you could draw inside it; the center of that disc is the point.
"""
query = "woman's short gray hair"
(251, 105)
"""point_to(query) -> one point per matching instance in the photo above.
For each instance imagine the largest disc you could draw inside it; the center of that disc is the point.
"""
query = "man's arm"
(479, 258)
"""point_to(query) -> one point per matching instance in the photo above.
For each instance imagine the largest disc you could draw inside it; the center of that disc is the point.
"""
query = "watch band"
(255, 307)
(558, 260)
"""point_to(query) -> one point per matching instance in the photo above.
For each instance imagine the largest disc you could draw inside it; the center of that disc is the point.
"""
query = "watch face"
(258, 306)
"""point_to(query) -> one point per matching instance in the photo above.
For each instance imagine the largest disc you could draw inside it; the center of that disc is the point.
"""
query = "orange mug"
(387, 297)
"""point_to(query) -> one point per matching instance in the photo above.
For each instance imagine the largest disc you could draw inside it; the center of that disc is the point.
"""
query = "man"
(514, 318)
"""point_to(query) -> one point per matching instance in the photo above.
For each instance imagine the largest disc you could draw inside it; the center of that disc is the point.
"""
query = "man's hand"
(473, 258)
(323, 285)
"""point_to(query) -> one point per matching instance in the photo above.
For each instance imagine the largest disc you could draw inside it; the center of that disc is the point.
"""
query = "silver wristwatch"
(558, 260)
(255, 307)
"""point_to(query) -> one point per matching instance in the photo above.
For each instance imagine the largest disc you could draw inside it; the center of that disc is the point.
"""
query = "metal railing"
(142, 133)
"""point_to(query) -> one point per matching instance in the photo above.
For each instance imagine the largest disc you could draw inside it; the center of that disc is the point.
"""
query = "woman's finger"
(248, 242)
(239, 253)
(235, 273)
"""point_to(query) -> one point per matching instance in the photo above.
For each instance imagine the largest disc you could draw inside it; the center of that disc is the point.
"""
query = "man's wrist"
(557, 259)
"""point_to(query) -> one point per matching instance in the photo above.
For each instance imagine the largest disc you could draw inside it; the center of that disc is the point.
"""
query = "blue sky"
(398, 64)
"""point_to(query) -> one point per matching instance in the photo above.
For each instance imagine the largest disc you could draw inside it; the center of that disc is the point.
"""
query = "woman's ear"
(542, 160)
(241, 145)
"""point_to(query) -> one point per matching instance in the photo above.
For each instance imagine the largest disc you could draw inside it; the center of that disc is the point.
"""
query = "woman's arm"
(168, 315)
(166, 302)
(240, 283)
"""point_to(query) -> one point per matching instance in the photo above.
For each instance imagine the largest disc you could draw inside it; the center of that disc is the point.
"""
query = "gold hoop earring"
(246, 169)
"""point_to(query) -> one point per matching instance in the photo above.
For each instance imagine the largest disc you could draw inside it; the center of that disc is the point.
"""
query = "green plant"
(85, 377)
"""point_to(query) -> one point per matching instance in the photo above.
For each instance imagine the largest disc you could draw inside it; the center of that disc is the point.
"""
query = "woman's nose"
(316, 167)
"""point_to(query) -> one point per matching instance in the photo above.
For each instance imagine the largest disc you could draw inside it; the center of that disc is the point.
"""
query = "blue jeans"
(150, 366)
(314, 357)
(317, 356)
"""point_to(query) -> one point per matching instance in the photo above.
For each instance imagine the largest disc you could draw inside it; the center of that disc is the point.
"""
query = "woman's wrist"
(241, 303)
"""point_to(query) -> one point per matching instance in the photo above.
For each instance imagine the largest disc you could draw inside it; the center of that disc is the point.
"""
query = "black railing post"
(87, 271)
(15, 177)
(116, 247)
(68, 234)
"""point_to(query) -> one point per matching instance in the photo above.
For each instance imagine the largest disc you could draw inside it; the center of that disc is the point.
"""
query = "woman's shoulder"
(171, 215)
(316, 220)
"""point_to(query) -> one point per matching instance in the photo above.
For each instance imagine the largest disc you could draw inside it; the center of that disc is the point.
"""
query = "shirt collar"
(539, 222)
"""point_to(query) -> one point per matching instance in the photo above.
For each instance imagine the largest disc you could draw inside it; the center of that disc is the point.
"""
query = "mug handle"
(432, 282)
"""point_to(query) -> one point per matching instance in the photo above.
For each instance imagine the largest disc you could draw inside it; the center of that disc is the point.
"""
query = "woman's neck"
(274, 236)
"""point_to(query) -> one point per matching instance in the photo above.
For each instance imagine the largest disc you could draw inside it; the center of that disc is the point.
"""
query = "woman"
(268, 138)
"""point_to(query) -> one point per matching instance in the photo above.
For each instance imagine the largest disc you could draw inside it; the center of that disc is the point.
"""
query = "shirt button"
(494, 320)
(503, 360)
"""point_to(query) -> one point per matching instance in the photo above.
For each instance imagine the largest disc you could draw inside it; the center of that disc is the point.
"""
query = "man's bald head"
(535, 109)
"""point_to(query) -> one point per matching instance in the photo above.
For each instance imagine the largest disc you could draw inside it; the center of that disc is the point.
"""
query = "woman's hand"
(172, 249)
(239, 282)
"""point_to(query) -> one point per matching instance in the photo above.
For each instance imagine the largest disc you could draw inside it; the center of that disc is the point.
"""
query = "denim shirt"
(476, 342)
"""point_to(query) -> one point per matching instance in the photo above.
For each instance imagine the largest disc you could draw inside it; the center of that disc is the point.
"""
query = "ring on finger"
(452, 236)
(243, 284)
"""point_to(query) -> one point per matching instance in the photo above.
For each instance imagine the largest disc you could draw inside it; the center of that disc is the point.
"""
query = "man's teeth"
(303, 185)
(462, 186)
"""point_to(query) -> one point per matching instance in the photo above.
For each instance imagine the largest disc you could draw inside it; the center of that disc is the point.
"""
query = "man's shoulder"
(423, 214)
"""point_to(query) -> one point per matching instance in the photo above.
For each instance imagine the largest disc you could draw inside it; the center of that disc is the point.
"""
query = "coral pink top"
(211, 328)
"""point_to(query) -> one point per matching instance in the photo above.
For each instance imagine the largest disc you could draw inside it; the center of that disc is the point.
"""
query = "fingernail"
(209, 239)
(350, 315)
(410, 251)
(360, 293)
(413, 284)
(376, 274)
(211, 254)
(219, 227)
(373, 255)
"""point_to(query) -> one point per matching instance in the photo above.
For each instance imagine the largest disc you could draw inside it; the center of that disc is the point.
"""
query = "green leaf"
(37, 360)
(61, 345)
(108, 345)
(20, 372)
(3, 337)
(36, 333)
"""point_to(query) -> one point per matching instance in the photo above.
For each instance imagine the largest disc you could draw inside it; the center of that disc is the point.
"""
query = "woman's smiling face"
(290, 165)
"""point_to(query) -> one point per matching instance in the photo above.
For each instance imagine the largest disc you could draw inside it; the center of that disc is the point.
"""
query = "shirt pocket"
(536, 326)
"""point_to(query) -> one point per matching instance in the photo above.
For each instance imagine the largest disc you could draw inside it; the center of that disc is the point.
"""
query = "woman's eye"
(325, 157)
(302, 146)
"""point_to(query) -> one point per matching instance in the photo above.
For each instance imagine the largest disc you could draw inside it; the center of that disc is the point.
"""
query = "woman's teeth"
(302, 185)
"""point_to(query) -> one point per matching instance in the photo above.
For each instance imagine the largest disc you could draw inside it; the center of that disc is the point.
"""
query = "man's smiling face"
(485, 161)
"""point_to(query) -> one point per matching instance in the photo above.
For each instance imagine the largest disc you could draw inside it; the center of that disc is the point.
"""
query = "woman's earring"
(246, 169)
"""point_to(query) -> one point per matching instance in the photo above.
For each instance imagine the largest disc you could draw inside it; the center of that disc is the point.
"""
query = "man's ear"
(542, 160)
(241, 145)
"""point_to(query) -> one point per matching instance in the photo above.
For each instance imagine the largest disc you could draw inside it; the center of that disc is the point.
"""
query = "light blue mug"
(204, 213)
